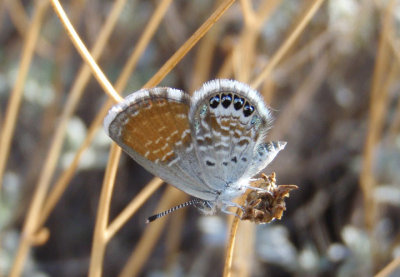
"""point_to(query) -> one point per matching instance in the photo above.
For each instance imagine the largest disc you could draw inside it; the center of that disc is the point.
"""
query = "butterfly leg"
(227, 211)
(256, 188)
(225, 207)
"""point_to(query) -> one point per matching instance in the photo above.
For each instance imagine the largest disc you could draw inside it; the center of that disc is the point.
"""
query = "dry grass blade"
(16, 95)
(395, 126)
(12, 112)
(99, 238)
(144, 40)
(244, 54)
(63, 181)
(19, 16)
(309, 51)
(80, 46)
(182, 51)
(394, 45)
(226, 69)
(50, 164)
(132, 207)
(244, 254)
(288, 43)
(174, 235)
(230, 247)
(21, 22)
(300, 99)
(389, 269)
(120, 84)
(150, 237)
(204, 57)
(378, 103)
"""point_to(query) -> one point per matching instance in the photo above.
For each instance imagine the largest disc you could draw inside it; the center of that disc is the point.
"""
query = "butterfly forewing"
(152, 126)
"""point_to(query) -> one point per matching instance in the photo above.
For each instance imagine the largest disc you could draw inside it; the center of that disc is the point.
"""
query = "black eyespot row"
(210, 163)
(238, 102)
(214, 101)
(248, 109)
(226, 100)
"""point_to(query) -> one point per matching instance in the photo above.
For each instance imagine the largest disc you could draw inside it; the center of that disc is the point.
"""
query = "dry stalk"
(99, 238)
(63, 181)
(277, 57)
(32, 218)
(16, 94)
(150, 237)
(378, 103)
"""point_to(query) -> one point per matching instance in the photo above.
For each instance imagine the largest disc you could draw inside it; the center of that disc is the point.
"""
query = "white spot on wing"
(174, 161)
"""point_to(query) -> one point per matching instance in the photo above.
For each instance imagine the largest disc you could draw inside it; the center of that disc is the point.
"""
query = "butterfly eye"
(214, 101)
(248, 109)
(238, 102)
(226, 100)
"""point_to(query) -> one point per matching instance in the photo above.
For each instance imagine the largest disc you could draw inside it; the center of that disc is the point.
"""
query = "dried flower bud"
(263, 206)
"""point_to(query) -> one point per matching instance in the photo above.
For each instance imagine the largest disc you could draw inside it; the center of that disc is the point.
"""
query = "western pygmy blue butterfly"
(209, 145)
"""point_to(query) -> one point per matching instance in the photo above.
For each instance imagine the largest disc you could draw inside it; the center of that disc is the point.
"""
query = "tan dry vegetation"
(71, 205)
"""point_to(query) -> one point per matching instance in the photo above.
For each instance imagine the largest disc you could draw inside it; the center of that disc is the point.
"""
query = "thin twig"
(99, 239)
(301, 98)
(132, 207)
(182, 51)
(149, 238)
(16, 94)
(9, 125)
(230, 248)
(389, 269)
(287, 44)
(32, 218)
(144, 40)
(21, 22)
(375, 123)
(63, 181)
(80, 46)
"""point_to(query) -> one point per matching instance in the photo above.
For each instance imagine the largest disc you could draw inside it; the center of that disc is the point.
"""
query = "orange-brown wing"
(152, 126)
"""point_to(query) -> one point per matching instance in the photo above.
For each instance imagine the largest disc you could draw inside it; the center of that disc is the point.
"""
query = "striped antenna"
(188, 203)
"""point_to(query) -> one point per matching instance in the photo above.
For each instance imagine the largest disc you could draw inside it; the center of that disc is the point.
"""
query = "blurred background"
(335, 99)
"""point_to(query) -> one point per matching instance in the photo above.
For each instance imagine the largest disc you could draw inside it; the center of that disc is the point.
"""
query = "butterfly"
(209, 145)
